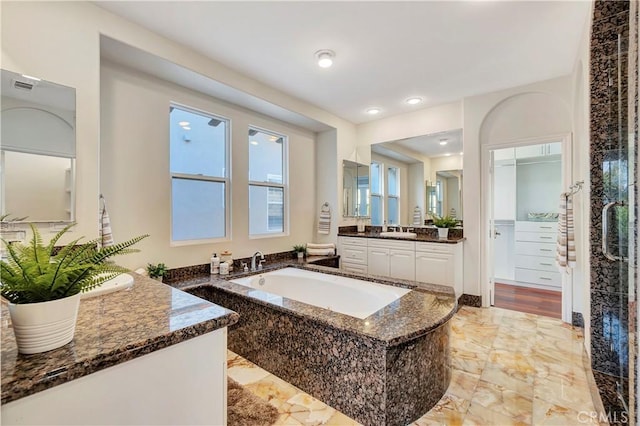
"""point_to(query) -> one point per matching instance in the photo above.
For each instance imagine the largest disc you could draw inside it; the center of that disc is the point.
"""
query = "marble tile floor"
(508, 368)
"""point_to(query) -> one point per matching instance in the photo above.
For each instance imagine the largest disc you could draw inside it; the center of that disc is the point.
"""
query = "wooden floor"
(531, 300)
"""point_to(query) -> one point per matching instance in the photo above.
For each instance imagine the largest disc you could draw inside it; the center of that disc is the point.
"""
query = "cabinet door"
(435, 268)
(531, 151)
(378, 260)
(402, 264)
(554, 148)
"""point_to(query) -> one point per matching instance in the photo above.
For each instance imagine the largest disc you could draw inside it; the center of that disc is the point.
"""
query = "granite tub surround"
(425, 234)
(111, 329)
(388, 368)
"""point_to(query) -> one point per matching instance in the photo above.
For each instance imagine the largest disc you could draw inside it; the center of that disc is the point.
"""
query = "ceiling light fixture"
(186, 127)
(325, 58)
(415, 100)
(443, 142)
(448, 154)
(183, 123)
(254, 142)
(373, 111)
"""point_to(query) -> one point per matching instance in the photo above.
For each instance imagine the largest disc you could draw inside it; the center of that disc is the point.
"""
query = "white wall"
(59, 41)
(438, 164)
(135, 169)
(417, 190)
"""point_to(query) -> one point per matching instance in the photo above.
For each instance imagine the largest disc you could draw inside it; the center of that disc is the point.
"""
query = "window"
(267, 183)
(393, 195)
(376, 195)
(198, 164)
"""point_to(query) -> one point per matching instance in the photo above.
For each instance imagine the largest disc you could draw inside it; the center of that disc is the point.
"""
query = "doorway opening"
(524, 189)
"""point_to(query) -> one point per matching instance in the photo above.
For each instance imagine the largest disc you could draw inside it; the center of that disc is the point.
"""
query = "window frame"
(284, 185)
(226, 180)
(388, 194)
(380, 196)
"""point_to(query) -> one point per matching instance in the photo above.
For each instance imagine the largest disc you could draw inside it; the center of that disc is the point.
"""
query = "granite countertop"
(111, 329)
(414, 314)
(421, 237)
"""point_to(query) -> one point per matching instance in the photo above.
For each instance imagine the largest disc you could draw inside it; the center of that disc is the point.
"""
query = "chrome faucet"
(253, 259)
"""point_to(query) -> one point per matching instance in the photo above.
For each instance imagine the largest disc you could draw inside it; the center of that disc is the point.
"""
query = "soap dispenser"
(215, 264)
(384, 226)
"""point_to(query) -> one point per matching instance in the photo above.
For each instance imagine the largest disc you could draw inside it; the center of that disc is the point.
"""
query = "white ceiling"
(411, 150)
(386, 52)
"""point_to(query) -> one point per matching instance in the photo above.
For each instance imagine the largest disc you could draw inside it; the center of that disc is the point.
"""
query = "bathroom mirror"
(444, 195)
(355, 189)
(37, 156)
(420, 162)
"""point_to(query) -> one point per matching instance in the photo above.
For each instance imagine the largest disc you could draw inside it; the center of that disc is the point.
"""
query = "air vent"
(23, 85)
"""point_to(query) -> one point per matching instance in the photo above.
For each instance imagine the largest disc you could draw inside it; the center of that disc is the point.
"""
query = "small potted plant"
(43, 286)
(157, 271)
(443, 223)
(300, 250)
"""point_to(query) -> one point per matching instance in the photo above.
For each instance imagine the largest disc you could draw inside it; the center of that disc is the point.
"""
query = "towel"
(566, 247)
(104, 226)
(417, 216)
(324, 220)
(321, 246)
(321, 252)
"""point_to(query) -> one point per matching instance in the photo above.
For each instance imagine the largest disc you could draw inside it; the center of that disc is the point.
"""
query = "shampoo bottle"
(215, 264)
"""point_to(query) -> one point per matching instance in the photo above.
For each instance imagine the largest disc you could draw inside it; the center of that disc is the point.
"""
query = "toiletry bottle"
(224, 268)
(384, 226)
(215, 264)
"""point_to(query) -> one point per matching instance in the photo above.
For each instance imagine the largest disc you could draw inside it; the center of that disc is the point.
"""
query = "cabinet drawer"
(549, 279)
(536, 262)
(354, 254)
(392, 244)
(536, 249)
(528, 226)
(536, 237)
(353, 241)
(354, 267)
(435, 247)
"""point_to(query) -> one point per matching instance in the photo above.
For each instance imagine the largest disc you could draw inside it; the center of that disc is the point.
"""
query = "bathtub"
(380, 355)
(347, 296)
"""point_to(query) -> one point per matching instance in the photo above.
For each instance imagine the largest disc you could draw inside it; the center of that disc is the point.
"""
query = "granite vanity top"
(111, 329)
(414, 314)
(421, 237)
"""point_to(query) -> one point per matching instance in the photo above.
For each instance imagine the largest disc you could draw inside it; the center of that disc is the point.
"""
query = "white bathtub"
(340, 294)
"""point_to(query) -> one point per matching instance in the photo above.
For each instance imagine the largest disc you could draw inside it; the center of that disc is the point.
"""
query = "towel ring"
(326, 207)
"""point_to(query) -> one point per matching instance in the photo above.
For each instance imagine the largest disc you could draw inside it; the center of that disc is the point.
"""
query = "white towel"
(417, 216)
(324, 220)
(321, 246)
(104, 226)
(566, 247)
(320, 252)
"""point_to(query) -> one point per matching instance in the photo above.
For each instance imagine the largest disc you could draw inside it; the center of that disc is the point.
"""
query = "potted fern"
(443, 223)
(300, 250)
(43, 287)
(156, 271)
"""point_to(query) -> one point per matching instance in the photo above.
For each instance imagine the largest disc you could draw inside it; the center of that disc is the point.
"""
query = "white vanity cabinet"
(394, 259)
(535, 254)
(438, 263)
(353, 254)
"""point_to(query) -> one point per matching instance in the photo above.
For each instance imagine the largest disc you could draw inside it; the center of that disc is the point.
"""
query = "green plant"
(33, 273)
(156, 271)
(444, 221)
(299, 248)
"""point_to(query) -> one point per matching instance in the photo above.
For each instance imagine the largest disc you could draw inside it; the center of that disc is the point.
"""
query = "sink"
(121, 282)
(396, 234)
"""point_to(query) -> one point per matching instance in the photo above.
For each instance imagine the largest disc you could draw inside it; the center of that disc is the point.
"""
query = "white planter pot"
(443, 233)
(300, 255)
(41, 327)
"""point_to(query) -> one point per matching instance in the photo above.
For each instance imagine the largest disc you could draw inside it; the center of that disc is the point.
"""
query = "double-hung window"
(377, 194)
(199, 168)
(268, 209)
(393, 195)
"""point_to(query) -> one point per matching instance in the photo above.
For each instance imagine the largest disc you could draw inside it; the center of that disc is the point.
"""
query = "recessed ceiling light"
(273, 138)
(462, 153)
(186, 127)
(254, 142)
(325, 58)
(414, 100)
(30, 77)
(447, 154)
(443, 142)
(373, 111)
(183, 123)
